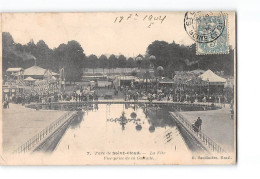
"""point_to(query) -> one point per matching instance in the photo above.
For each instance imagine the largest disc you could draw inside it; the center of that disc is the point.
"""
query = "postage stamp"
(209, 31)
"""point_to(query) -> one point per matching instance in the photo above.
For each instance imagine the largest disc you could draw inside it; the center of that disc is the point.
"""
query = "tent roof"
(212, 77)
(36, 71)
(29, 79)
(14, 69)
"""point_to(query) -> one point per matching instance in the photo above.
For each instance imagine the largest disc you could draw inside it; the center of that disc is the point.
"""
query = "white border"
(248, 20)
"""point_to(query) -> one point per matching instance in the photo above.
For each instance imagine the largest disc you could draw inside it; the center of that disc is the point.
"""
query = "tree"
(103, 62)
(69, 56)
(7, 39)
(14, 55)
(44, 55)
(59, 55)
(175, 57)
(122, 61)
(112, 61)
(131, 63)
(73, 61)
(93, 61)
(145, 63)
(161, 50)
(8, 47)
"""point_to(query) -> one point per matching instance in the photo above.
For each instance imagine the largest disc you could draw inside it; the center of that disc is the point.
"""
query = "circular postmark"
(204, 27)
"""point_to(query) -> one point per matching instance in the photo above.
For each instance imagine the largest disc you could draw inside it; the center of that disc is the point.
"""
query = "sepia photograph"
(119, 88)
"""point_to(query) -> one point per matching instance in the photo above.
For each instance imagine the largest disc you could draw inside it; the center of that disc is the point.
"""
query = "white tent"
(211, 77)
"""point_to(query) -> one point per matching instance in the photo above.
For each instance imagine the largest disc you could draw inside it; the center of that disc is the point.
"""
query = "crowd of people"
(164, 93)
(47, 98)
(132, 92)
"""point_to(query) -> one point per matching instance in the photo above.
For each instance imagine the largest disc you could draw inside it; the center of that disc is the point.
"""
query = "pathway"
(21, 123)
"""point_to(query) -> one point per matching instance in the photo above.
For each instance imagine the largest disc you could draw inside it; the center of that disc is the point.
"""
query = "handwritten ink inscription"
(149, 20)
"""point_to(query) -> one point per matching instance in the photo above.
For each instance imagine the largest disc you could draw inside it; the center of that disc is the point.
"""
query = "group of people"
(169, 94)
(133, 92)
(47, 98)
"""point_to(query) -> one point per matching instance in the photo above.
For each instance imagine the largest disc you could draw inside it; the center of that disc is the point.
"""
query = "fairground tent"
(37, 72)
(211, 77)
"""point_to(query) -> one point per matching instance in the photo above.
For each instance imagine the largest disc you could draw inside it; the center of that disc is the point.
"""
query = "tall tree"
(14, 55)
(122, 61)
(7, 48)
(59, 56)
(43, 55)
(70, 57)
(131, 63)
(112, 61)
(161, 50)
(103, 62)
(93, 61)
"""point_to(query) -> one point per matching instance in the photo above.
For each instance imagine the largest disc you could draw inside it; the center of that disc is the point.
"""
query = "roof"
(29, 79)
(36, 71)
(212, 77)
(14, 69)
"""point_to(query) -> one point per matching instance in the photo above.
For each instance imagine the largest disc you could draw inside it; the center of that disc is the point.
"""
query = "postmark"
(208, 30)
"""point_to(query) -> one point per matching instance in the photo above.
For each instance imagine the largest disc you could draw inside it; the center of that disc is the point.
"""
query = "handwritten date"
(150, 19)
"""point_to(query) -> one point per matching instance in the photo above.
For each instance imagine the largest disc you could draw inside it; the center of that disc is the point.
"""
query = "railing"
(213, 146)
(205, 105)
(27, 146)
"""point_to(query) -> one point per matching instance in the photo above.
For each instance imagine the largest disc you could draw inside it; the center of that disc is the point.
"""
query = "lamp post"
(208, 86)
(159, 71)
(153, 58)
(181, 88)
(62, 80)
(138, 61)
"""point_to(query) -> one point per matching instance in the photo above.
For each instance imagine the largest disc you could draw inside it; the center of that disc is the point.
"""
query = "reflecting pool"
(122, 128)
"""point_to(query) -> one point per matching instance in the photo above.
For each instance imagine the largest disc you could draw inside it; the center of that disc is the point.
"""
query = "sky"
(99, 33)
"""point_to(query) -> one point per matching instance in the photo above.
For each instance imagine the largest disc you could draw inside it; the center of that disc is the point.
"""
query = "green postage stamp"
(209, 30)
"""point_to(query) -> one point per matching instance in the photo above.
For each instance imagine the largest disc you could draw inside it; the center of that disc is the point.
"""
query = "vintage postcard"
(118, 88)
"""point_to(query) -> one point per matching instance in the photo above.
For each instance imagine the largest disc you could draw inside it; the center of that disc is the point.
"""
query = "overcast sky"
(98, 33)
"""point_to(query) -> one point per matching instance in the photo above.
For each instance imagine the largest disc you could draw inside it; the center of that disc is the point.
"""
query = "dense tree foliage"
(174, 57)
(71, 56)
(103, 61)
(14, 55)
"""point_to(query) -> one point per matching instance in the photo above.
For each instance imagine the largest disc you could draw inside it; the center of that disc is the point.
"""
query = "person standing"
(199, 120)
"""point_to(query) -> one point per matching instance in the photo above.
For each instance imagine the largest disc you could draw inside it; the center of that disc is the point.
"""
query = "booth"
(215, 83)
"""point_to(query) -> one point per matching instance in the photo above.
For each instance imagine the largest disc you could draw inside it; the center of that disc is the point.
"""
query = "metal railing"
(27, 146)
(213, 146)
(205, 105)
